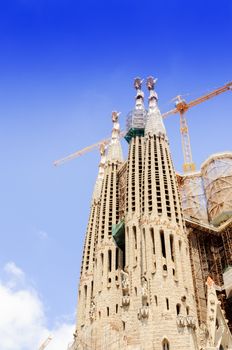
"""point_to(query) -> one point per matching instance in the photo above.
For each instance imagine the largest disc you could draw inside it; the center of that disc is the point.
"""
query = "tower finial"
(138, 83)
(151, 83)
(115, 116)
(114, 150)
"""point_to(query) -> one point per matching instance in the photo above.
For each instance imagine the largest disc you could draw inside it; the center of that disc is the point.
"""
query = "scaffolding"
(193, 197)
(217, 178)
(135, 123)
(113, 338)
(211, 255)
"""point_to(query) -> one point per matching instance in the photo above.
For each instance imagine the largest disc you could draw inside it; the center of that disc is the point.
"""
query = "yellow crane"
(45, 343)
(181, 107)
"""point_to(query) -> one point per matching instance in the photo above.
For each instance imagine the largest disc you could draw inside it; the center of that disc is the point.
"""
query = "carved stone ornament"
(92, 311)
(143, 313)
(191, 322)
(125, 300)
(125, 282)
(180, 320)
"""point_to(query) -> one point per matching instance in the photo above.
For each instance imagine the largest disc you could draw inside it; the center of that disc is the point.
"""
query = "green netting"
(118, 232)
(132, 133)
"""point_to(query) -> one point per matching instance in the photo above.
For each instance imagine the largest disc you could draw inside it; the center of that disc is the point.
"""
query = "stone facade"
(136, 287)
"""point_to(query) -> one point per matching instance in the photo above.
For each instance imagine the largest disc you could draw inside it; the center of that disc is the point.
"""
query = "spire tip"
(151, 83)
(115, 116)
(138, 83)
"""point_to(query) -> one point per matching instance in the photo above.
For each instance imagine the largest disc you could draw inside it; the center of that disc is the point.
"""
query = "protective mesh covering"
(217, 177)
(136, 119)
(193, 197)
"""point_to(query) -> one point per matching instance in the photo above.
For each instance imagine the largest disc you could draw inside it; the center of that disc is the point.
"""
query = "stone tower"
(157, 256)
(136, 288)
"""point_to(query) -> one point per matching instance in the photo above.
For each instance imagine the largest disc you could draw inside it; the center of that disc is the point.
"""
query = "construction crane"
(181, 107)
(45, 343)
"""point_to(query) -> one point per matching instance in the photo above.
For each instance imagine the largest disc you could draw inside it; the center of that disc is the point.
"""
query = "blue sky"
(64, 66)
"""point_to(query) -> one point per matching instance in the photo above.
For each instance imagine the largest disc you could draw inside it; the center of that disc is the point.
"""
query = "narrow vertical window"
(156, 300)
(91, 289)
(108, 311)
(116, 308)
(116, 258)
(152, 240)
(167, 303)
(162, 243)
(102, 262)
(109, 260)
(172, 247)
(135, 237)
(178, 308)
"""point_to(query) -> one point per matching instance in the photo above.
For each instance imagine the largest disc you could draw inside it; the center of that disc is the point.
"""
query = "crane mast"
(182, 107)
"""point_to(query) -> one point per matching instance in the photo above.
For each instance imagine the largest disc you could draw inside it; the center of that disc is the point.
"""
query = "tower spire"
(98, 184)
(115, 149)
(136, 118)
(154, 123)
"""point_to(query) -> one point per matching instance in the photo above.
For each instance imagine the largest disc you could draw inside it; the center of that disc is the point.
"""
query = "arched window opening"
(108, 311)
(165, 268)
(172, 248)
(123, 325)
(221, 347)
(187, 310)
(135, 237)
(162, 243)
(99, 314)
(178, 308)
(152, 239)
(166, 344)
(109, 260)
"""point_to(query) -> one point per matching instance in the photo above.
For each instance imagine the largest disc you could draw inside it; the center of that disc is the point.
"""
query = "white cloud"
(14, 270)
(23, 320)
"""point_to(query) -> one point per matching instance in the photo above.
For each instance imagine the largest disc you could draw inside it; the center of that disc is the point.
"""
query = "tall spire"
(98, 184)
(115, 149)
(136, 118)
(154, 123)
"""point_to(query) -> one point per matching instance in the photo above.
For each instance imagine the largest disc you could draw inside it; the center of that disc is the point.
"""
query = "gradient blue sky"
(64, 66)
